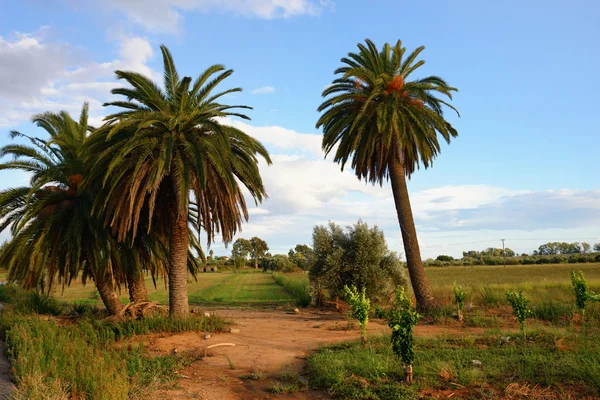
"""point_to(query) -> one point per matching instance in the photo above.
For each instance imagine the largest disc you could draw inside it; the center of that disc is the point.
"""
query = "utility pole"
(503, 252)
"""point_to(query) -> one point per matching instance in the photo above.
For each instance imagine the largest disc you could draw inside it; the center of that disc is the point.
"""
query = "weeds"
(351, 371)
(231, 364)
(552, 311)
(293, 382)
(38, 303)
(254, 376)
(79, 361)
(490, 297)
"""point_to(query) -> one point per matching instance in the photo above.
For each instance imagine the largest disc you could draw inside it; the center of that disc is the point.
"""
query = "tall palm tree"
(388, 126)
(169, 147)
(54, 232)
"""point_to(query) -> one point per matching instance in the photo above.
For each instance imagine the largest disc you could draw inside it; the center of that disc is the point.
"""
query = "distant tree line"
(548, 253)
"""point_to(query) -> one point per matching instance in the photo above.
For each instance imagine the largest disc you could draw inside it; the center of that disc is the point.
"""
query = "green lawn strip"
(221, 291)
(263, 286)
(242, 288)
(561, 359)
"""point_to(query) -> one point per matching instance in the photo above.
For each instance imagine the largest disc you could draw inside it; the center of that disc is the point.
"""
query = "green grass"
(297, 285)
(226, 288)
(80, 359)
(522, 276)
(564, 360)
(243, 288)
(62, 362)
(486, 286)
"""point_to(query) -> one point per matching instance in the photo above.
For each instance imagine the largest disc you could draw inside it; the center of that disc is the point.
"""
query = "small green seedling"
(360, 306)
(402, 318)
(580, 289)
(459, 300)
(520, 307)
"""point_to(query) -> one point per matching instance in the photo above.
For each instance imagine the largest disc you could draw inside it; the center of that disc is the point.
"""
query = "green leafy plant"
(402, 318)
(360, 305)
(520, 307)
(580, 289)
(459, 300)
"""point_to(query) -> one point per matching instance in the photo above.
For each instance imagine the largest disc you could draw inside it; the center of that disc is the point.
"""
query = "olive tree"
(357, 256)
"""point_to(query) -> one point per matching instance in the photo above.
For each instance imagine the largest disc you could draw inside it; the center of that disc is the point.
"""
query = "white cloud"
(27, 66)
(284, 141)
(36, 75)
(264, 90)
(166, 16)
(306, 190)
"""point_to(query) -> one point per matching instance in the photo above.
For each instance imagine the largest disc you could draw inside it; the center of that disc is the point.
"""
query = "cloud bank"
(166, 16)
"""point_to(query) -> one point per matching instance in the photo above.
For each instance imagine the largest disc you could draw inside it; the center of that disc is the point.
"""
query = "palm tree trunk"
(107, 294)
(137, 287)
(416, 271)
(178, 294)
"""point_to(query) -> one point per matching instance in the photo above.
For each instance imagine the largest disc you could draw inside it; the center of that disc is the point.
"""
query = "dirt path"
(268, 342)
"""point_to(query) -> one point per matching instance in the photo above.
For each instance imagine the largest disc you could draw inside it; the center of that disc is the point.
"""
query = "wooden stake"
(408, 374)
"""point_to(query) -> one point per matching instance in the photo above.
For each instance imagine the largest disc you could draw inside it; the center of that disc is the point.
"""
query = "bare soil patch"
(269, 342)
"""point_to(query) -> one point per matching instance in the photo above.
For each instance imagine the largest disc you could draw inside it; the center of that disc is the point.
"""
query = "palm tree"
(164, 146)
(54, 232)
(388, 126)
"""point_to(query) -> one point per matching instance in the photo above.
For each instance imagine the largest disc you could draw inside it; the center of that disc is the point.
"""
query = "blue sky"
(523, 168)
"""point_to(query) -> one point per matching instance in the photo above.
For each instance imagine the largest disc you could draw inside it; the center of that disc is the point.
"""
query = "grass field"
(484, 285)
(227, 288)
(551, 364)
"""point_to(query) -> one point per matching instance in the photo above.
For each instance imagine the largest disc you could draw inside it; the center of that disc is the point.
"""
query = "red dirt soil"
(268, 342)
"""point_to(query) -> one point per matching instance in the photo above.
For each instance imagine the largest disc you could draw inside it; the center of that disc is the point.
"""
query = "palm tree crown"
(374, 113)
(164, 145)
(54, 232)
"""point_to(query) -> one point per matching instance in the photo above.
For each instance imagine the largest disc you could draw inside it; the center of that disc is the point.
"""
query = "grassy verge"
(296, 284)
(65, 359)
(561, 362)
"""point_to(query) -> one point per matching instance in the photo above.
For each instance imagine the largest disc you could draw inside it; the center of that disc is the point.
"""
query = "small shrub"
(11, 293)
(580, 290)
(360, 306)
(38, 303)
(402, 319)
(459, 300)
(520, 307)
(82, 308)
